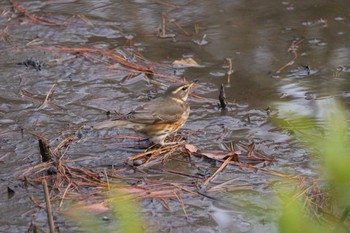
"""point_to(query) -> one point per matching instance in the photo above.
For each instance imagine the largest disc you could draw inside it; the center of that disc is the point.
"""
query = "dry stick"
(94, 57)
(261, 155)
(151, 152)
(184, 189)
(108, 185)
(229, 71)
(135, 77)
(163, 25)
(167, 4)
(47, 97)
(222, 97)
(35, 202)
(25, 93)
(164, 203)
(222, 167)
(181, 204)
(45, 152)
(42, 166)
(196, 28)
(33, 17)
(66, 141)
(181, 28)
(153, 155)
(294, 50)
(251, 148)
(6, 38)
(48, 207)
(91, 175)
(169, 153)
(159, 194)
(63, 154)
(163, 33)
(86, 20)
(176, 172)
(297, 196)
(108, 54)
(219, 186)
(64, 195)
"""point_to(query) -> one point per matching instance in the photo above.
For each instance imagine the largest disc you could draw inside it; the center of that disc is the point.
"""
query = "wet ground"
(254, 35)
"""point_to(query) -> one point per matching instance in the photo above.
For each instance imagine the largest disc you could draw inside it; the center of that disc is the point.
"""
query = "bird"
(158, 118)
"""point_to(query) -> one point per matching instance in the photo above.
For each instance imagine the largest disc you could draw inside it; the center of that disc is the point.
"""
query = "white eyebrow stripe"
(179, 88)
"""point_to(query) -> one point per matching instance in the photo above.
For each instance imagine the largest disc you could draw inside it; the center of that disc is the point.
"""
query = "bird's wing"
(156, 111)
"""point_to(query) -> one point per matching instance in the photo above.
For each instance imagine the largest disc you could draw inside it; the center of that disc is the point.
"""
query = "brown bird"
(157, 118)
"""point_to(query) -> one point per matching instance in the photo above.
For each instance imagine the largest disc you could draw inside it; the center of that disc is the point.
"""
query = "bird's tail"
(111, 124)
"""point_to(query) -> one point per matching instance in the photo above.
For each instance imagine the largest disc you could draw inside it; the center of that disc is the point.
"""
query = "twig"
(251, 148)
(86, 20)
(222, 167)
(164, 203)
(181, 204)
(6, 38)
(181, 28)
(230, 70)
(47, 97)
(222, 97)
(45, 152)
(64, 194)
(66, 141)
(184, 189)
(196, 28)
(293, 48)
(176, 172)
(163, 33)
(219, 186)
(167, 4)
(33, 17)
(35, 201)
(48, 207)
(110, 55)
(108, 186)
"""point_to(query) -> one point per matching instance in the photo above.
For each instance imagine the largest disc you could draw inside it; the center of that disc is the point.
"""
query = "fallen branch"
(49, 93)
(222, 167)
(48, 207)
(293, 48)
(34, 18)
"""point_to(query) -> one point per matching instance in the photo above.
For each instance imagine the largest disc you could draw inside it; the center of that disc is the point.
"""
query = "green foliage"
(126, 212)
(294, 220)
(126, 217)
(332, 149)
(86, 221)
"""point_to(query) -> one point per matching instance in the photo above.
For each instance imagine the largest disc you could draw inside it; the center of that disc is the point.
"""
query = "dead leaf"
(219, 155)
(187, 62)
(191, 148)
(214, 154)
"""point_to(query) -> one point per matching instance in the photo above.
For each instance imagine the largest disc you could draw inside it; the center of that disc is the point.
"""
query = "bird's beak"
(192, 83)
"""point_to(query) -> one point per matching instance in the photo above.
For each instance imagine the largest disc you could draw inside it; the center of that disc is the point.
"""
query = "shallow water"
(255, 35)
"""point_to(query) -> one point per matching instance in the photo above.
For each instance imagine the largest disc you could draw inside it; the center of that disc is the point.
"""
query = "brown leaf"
(219, 155)
(215, 154)
(187, 62)
(191, 148)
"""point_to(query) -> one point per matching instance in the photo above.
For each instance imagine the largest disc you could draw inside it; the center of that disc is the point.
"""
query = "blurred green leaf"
(331, 148)
(126, 214)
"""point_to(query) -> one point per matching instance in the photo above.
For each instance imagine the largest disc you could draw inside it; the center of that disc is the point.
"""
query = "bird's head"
(179, 91)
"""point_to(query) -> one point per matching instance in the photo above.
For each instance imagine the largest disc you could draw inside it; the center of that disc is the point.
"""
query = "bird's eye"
(184, 88)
